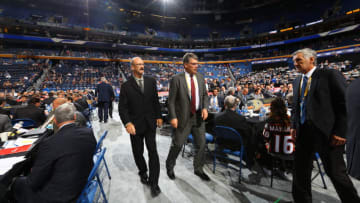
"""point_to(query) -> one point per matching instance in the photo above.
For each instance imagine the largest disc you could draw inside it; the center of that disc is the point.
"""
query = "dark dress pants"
(137, 144)
(195, 126)
(309, 141)
(103, 109)
(23, 193)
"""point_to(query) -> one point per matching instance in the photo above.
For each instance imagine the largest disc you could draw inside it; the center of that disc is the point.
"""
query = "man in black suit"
(105, 94)
(319, 125)
(62, 165)
(139, 110)
(353, 136)
(232, 119)
(31, 111)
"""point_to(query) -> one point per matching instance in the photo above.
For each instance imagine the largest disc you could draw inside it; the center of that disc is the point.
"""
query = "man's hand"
(174, 122)
(130, 128)
(293, 134)
(337, 141)
(159, 122)
(204, 114)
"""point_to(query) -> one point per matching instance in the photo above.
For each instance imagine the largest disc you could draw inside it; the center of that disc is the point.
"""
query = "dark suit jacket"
(232, 119)
(104, 92)
(63, 164)
(4, 111)
(353, 135)
(142, 109)
(5, 123)
(32, 112)
(325, 104)
(179, 98)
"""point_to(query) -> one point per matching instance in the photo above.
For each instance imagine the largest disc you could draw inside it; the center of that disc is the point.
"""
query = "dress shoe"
(100, 120)
(203, 176)
(144, 178)
(155, 190)
(171, 174)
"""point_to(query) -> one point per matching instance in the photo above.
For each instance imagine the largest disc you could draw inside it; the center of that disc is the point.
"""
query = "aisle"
(125, 185)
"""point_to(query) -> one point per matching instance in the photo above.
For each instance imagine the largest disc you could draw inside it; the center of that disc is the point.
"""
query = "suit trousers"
(195, 126)
(23, 193)
(309, 141)
(137, 144)
(103, 109)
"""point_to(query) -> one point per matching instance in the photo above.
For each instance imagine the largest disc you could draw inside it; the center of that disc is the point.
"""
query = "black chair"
(229, 134)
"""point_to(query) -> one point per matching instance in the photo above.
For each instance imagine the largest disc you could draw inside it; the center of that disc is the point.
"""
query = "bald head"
(57, 102)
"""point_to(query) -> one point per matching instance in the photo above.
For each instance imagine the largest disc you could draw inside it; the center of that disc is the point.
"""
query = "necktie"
(141, 85)
(193, 96)
(303, 100)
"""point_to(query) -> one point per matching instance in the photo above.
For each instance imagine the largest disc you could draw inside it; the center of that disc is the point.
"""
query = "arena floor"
(125, 185)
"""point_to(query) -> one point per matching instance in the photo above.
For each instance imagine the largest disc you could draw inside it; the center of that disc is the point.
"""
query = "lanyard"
(307, 87)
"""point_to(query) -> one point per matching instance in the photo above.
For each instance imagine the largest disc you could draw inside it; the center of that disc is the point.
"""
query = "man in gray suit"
(187, 104)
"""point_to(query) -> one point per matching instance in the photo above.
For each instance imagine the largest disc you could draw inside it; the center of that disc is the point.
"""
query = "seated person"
(5, 123)
(31, 111)
(230, 118)
(2, 105)
(277, 129)
(62, 165)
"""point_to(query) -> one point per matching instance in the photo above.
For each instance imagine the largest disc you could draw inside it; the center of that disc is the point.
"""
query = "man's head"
(230, 102)
(64, 114)
(35, 101)
(304, 60)
(2, 101)
(245, 91)
(103, 79)
(215, 92)
(191, 63)
(57, 102)
(137, 66)
(231, 91)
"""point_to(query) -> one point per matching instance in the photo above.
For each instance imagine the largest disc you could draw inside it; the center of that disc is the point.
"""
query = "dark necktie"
(141, 85)
(193, 96)
(303, 100)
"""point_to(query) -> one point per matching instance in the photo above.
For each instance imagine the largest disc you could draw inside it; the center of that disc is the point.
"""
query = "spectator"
(31, 111)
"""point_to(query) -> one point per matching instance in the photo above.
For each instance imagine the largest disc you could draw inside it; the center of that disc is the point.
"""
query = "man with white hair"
(105, 95)
(62, 164)
(319, 125)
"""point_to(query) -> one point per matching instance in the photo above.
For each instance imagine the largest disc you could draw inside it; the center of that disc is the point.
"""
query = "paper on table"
(24, 141)
(7, 163)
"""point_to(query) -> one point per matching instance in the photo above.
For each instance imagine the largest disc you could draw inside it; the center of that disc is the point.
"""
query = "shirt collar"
(137, 79)
(188, 74)
(66, 125)
(309, 74)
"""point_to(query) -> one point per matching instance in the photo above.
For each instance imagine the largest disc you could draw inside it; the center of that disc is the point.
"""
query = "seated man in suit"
(231, 119)
(5, 123)
(62, 165)
(31, 111)
(2, 105)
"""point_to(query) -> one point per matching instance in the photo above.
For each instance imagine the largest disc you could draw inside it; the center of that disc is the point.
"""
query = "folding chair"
(227, 133)
(321, 173)
(208, 138)
(89, 192)
(99, 149)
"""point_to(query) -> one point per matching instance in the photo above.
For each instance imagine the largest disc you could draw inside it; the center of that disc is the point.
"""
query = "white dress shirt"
(188, 82)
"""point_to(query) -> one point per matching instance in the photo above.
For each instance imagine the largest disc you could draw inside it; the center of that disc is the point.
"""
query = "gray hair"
(187, 56)
(230, 102)
(231, 89)
(132, 60)
(65, 112)
(103, 79)
(308, 53)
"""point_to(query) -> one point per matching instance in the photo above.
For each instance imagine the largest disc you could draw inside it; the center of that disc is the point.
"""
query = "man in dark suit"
(232, 119)
(62, 165)
(31, 111)
(216, 102)
(319, 125)
(353, 135)
(105, 94)
(2, 105)
(139, 110)
(187, 104)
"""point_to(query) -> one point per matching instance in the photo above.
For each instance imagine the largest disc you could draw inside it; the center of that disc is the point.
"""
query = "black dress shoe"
(144, 178)
(171, 174)
(203, 176)
(155, 190)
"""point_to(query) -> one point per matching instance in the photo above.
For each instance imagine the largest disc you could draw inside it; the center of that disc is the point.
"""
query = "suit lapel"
(135, 85)
(314, 82)
(184, 84)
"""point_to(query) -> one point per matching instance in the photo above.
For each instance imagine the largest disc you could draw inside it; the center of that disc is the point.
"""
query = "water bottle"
(262, 114)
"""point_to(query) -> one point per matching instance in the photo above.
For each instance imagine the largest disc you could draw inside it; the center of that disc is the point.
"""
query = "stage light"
(167, 1)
